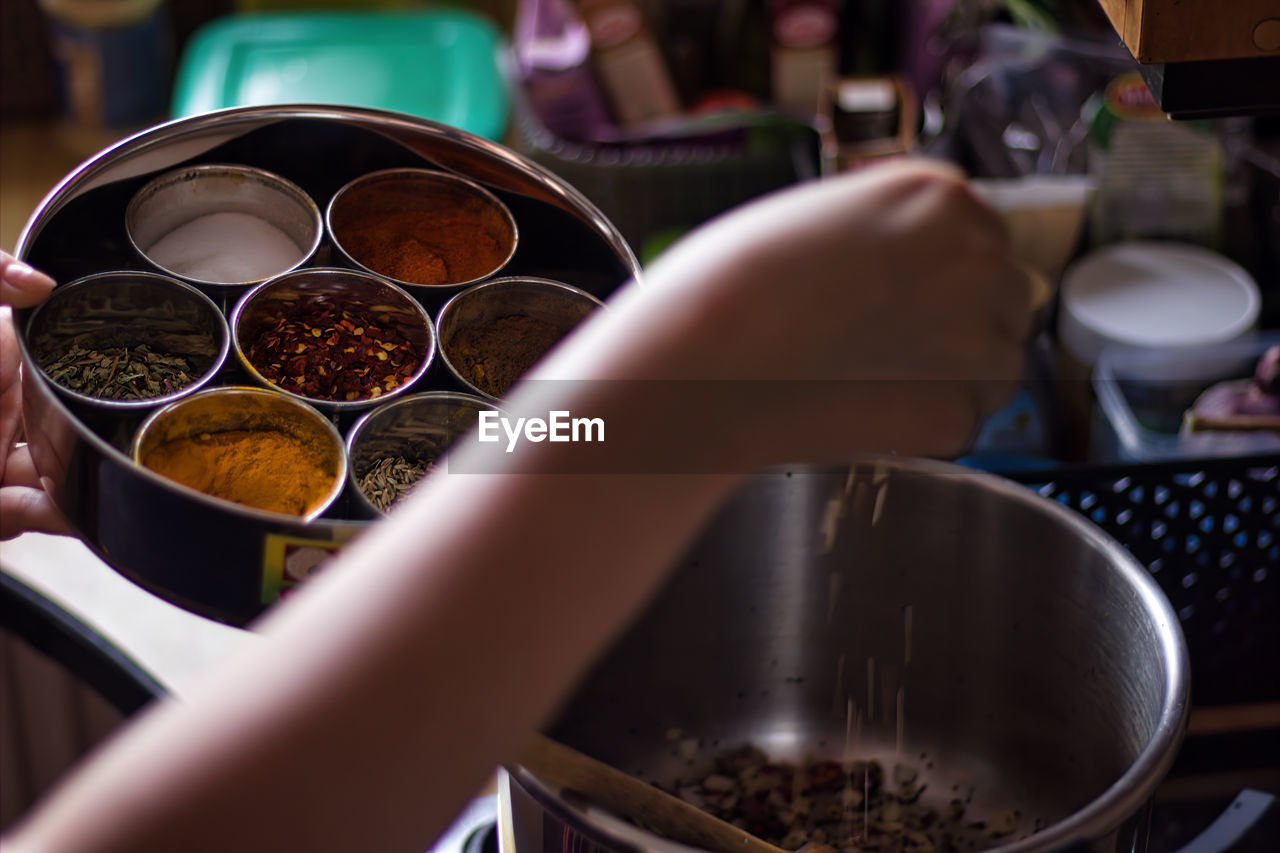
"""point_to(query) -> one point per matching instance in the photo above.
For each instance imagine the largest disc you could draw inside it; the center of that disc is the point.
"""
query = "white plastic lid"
(1153, 295)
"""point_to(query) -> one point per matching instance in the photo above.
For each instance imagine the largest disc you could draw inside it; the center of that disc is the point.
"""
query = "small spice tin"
(215, 557)
(223, 225)
(256, 448)
(492, 332)
(127, 341)
(336, 338)
(430, 231)
(394, 445)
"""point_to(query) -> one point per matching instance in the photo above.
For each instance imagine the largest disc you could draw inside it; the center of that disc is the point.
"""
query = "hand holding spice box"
(928, 263)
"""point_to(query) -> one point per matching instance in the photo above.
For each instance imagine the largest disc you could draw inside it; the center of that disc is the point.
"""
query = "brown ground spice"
(493, 355)
(425, 247)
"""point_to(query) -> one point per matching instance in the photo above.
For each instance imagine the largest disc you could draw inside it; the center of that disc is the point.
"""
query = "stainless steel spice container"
(223, 226)
(319, 370)
(122, 311)
(486, 358)
(218, 559)
(416, 430)
(429, 231)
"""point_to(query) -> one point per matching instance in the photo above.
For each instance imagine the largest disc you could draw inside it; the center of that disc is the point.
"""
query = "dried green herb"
(119, 373)
(391, 478)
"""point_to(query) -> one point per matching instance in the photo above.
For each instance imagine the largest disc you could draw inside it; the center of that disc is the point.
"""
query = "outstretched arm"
(383, 693)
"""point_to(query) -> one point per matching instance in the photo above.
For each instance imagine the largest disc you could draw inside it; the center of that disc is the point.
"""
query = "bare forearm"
(385, 693)
(381, 696)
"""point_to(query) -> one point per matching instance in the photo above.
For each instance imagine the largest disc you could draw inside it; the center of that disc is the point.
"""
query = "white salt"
(226, 247)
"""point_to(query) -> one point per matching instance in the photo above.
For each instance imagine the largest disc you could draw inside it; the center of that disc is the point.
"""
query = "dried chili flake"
(331, 349)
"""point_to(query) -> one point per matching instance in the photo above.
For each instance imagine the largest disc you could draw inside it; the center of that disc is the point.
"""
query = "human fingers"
(1016, 296)
(10, 387)
(21, 284)
(20, 469)
(25, 509)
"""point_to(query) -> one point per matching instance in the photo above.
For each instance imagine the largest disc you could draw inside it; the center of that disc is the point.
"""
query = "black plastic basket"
(649, 189)
(1208, 530)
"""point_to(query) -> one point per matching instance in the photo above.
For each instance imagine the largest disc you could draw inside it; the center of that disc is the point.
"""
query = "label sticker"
(289, 560)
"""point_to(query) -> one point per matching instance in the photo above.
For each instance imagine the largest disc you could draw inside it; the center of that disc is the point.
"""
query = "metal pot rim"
(1105, 812)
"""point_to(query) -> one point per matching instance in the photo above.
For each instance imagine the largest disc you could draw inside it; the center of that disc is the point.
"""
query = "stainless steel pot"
(218, 559)
(1037, 664)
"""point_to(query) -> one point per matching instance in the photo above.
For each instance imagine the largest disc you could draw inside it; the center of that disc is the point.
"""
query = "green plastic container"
(440, 64)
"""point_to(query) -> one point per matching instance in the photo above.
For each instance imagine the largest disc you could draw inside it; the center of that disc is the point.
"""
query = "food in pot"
(850, 807)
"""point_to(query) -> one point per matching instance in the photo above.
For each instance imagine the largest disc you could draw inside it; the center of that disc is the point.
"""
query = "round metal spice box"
(215, 557)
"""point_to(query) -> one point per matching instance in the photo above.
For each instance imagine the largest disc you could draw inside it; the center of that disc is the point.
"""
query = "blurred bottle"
(553, 49)
(1157, 178)
(689, 31)
(114, 60)
(628, 62)
(805, 57)
(869, 37)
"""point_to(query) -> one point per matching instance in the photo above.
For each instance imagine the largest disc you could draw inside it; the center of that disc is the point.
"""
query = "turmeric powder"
(259, 468)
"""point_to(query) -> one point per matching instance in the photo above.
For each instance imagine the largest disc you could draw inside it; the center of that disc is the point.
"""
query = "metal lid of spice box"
(214, 557)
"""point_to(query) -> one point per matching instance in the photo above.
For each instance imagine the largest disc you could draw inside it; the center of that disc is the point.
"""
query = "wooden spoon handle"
(629, 797)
